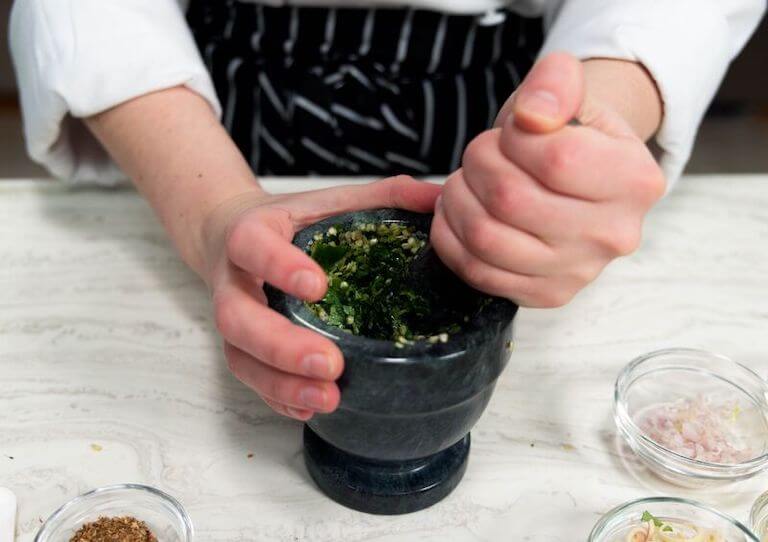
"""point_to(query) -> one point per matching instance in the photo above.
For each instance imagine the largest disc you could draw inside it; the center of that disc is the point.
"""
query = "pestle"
(427, 272)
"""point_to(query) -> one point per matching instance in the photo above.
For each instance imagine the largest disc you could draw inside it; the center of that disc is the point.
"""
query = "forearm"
(627, 88)
(180, 158)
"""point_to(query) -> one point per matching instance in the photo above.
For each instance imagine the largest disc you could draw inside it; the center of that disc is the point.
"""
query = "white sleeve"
(686, 45)
(76, 58)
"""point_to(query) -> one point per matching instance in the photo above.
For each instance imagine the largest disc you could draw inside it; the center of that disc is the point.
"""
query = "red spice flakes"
(116, 529)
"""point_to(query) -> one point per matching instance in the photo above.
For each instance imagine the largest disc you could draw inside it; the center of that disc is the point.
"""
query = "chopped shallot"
(696, 429)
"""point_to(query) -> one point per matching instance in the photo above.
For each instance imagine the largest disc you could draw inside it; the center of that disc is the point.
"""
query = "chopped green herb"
(368, 291)
(650, 518)
(327, 255)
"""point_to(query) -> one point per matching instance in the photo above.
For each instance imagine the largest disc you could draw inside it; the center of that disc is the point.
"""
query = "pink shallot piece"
(695, 429)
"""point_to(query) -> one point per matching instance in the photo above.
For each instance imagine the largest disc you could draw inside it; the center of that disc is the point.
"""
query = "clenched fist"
(547, 198)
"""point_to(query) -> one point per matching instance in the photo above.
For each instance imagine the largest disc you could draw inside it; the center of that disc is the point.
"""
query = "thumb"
(401, 192)
(551, 94)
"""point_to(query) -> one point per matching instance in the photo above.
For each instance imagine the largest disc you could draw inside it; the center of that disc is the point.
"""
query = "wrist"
(213, 228)
(199, 233)
(181, 160)
(628, 89)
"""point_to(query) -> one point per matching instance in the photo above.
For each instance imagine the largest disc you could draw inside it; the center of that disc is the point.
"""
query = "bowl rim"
(627, 424)
(501, 310)
(759, 505)
(617, 510)
(168, 499)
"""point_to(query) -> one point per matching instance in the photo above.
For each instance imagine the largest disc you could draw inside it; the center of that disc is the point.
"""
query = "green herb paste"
(368, 291)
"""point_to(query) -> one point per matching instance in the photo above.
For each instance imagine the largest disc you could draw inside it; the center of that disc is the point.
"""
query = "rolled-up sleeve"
(77, 58)
(686, 45)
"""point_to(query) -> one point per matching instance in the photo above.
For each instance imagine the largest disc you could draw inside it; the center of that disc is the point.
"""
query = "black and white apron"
(348, 91)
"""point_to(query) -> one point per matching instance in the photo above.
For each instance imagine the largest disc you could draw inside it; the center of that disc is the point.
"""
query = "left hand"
(539, 206)
(247, 243)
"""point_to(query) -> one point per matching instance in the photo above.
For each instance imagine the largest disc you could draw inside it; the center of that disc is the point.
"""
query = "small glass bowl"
(163, 514)
(758, 517)
(681, 374)
(617, 524)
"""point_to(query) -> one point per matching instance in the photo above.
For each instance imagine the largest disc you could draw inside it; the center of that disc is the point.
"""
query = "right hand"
(247, 243)
(540, 207)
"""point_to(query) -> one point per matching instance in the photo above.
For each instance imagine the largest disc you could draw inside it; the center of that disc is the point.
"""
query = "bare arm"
(628, 89)
(237, 237)
(180, 158)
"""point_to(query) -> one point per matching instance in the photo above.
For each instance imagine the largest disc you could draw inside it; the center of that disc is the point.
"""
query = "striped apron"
(348, 91)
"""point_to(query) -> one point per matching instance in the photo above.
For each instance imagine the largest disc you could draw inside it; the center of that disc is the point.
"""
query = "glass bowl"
(758, 517)
(616, 525)
(693, 417)
(163, 514)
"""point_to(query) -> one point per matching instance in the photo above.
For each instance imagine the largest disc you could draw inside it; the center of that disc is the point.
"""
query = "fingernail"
(541, 103)
(313, 398)
(305, 283)
(316, 366)
(298, 414)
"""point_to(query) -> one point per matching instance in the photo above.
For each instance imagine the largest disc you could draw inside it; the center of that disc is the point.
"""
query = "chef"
(557, 124)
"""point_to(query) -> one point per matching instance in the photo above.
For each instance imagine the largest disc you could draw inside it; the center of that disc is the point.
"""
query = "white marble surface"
(105, 338)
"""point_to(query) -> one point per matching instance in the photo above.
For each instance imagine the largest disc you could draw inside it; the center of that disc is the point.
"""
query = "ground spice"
(115, 529)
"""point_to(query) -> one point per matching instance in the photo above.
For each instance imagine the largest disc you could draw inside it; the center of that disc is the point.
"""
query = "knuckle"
(509, 200)
(277, 389)
(627, 241)
(474, 273)
(621, 241)
(394, 188)
(553, 297)
(274, 351)
(270, 268)
(582, 275)
(437, 236)
(526, 289)
(478, 153)
(399, 180)
(479, 236)
(560, 158)
(450, 190)
(651, 182)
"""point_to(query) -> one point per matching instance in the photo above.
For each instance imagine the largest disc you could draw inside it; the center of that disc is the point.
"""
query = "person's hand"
(541, 204)
(247, 243)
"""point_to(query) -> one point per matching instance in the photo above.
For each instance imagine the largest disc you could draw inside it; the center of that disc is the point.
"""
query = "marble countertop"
(107, 340)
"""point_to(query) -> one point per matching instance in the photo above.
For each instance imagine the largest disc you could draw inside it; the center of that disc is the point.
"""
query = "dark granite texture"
(400, 404)
(395, 487)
